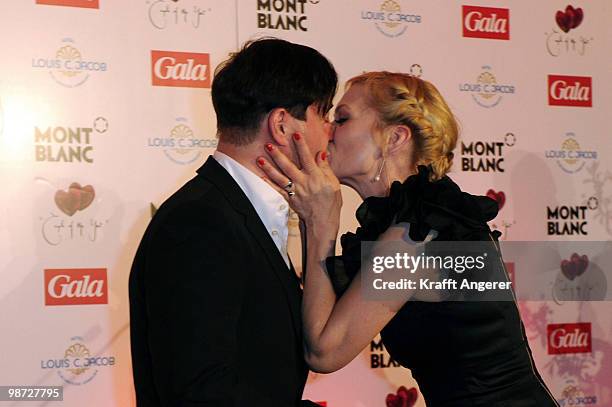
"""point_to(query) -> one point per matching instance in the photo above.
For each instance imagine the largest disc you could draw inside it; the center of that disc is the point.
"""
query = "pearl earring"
(379, 172)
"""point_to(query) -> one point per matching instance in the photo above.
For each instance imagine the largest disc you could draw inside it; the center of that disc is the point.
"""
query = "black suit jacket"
(214, 311)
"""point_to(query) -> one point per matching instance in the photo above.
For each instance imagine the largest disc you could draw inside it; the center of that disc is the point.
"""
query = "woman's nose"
(330, 129)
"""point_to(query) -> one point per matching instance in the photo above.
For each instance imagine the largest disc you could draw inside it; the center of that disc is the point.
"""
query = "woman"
(392, 143)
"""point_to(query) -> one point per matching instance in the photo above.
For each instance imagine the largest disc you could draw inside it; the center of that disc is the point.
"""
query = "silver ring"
(290, 193)
(288, 186)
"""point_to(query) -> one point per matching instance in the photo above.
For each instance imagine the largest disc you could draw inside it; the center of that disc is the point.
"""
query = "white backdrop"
(92, 136)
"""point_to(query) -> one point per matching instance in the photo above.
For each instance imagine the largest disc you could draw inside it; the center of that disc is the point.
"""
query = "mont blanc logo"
(180, 69)
(379, 358)
(486, 22)
(569, 220)
(484, 155)
(286, 15)
(68, 144)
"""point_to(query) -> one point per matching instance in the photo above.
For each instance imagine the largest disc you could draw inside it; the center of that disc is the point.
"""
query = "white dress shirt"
(268, 203)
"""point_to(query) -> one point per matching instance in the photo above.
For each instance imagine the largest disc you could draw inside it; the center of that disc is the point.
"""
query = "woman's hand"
(312, 191)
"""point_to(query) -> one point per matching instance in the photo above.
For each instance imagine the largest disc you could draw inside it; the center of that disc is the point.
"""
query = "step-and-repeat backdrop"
(105, 110)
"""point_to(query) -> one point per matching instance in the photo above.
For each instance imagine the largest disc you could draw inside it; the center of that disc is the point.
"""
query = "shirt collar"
(268, 203)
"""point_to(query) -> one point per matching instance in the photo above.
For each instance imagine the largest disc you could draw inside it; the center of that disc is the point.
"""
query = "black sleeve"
(195, 284)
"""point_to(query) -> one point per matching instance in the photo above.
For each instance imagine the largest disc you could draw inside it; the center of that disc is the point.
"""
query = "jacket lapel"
(215, 173)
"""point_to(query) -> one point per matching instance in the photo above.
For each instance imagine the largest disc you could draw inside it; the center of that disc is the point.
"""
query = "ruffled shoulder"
(426, 205)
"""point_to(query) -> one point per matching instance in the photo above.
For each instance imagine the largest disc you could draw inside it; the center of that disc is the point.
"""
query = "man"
(214, 301)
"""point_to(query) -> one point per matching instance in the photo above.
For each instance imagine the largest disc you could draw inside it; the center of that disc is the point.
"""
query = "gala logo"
(569, 338)
(181, 69)
(570, 91)
(76, 286)
(486, 22)
(71, 3)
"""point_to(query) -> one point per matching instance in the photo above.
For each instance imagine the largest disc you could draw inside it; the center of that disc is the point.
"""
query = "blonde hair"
(400, 98)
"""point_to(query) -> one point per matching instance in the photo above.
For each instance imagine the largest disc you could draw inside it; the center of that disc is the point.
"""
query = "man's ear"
(398, 136)
(278, 126)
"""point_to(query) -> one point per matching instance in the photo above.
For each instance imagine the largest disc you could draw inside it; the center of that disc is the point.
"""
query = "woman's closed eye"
(340, 120)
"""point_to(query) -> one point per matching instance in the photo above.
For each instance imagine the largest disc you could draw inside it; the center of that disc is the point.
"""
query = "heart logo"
(575, 16)
(498, 197)
(403, 397)
(570, 18)
(77, 198)
(575, 266)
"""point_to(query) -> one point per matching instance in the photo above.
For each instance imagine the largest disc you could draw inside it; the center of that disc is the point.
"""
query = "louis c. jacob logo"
(70, 65)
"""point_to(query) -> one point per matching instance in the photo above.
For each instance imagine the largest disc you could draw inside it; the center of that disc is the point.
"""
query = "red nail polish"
(261, 161)
(297, 136)
(269, 147)
(323, 155)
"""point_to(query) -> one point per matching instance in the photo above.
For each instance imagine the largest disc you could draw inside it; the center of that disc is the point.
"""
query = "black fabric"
(214, 310)
(460, 353)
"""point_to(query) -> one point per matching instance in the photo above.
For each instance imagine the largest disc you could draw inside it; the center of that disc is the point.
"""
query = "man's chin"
(332, 165)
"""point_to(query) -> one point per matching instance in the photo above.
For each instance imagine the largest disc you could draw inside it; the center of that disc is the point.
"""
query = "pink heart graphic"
(575, 266)
(575, 16)
(403, 397)
(570, 18)
(77, 198)
(562, 20)
(498, 197)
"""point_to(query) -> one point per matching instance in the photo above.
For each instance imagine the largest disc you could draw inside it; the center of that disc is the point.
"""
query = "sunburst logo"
(78, 365)
(486, 91)
(68, 66)
(574, 395)
(571, 147)
(391, 6)
(77, 351)
(389, 19)
(182, 132)
(571, 157)
(182, 145)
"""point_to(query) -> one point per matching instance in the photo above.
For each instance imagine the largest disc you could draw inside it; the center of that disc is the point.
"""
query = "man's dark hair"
(266, 74)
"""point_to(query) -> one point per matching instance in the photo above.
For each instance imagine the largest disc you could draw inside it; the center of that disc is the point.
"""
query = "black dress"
(460, 353)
